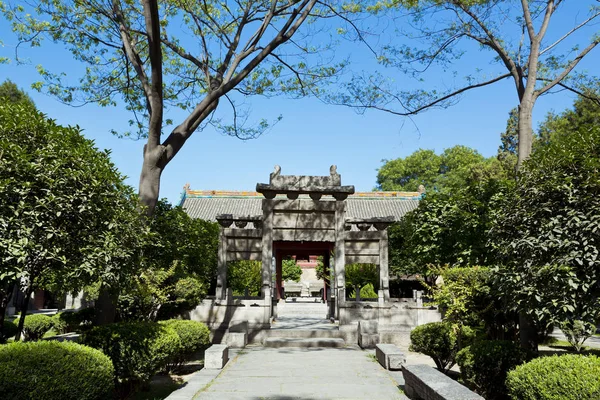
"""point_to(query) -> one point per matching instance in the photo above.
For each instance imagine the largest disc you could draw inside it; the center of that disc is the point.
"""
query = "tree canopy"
(196, 57)
(10, 91)
(67, 218)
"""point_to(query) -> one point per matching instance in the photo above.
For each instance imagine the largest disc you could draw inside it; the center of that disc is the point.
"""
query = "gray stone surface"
(390, 356)
(368, 340)
(304, 374)
(278, 342)
(365, 326)
(236, 340)
(216, 356)
(196, 382)
(427, 383)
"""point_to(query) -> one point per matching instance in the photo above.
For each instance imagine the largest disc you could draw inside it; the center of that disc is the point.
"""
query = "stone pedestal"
(390, 356)
(216, 356)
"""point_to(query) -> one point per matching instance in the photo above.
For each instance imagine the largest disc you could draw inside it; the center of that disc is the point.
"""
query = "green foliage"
(464, 293)
(66, 218)
(9, 329)
(366, 292)
(443, 172)
(290, 270)
(244, 274)
(441, 341)
(577, 332)
(545, 231)
(178, 264)
(36, 325)
(449, 226)
(53, 370)
(323, 272)
(138, 350)
(484, 366)
(566, 377)
(74, 321)
(11, 92)
(194, 336)
(59, 323)
(359, 275)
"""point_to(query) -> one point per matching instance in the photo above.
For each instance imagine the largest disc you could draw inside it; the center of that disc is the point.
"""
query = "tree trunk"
(5, 296)
(525, 129)
(24, 307)
(150, 179)
(527, 333)
(105, 306)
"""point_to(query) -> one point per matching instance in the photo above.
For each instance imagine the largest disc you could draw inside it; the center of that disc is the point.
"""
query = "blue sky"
(310, 137)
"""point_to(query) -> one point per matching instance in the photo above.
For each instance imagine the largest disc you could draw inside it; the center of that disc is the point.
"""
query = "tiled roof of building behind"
(210, 203)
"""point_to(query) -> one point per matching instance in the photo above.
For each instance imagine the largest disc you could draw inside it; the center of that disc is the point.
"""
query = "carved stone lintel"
(315, 196)
(347, 227)
(381, 226)
(258, 224)
(269, 195)
(292, 195)
(340, 196)
(363, 226)
(241, 224)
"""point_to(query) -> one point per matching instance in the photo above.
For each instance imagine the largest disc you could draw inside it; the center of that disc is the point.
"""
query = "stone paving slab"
(302, 374)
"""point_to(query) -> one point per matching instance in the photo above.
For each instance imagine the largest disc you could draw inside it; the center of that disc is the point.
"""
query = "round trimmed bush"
(138, 350)
(8, 330)
(36, 325)
(440, 341)
(566, 377)
(52, 370)
(194, 336)
(59, 323)
(484, 365)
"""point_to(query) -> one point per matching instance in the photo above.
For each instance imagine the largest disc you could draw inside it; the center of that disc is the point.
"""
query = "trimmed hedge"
(194, 336)
(440, 341)
(566, 377)
(74, 321)
(484, 366)
(138, 350)
(36, 325)
(52, 370)
(8, 330)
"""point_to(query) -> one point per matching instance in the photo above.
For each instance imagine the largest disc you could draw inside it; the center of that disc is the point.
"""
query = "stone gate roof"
(207, 204)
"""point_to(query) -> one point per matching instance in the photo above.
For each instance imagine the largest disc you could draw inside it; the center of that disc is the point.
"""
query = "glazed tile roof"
(208, 204)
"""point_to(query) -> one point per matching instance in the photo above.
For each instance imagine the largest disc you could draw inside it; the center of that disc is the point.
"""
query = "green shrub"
(52, 370)
(194, 336)
(440, 341)
(577, 332)
(36, 325)
(366, 292)
(566, 377)
(138, 350)
(8, 330)
(484, 365)
(74, 321)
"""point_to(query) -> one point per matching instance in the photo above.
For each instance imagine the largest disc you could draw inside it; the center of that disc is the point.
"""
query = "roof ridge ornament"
(294, 185)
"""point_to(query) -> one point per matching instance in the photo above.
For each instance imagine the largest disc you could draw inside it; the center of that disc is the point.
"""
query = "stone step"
(304, 334)
(277, 342)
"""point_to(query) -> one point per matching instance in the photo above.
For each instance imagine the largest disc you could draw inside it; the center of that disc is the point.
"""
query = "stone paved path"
(302, 374)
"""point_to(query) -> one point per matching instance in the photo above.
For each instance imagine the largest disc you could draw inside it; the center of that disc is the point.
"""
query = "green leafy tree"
(360, 275)
(448, 228)
(11, 92)
(522, 40)
(545, 233)
(242, 275)
(66, 218)
(447, 171)
(290, 270)
(153, 57)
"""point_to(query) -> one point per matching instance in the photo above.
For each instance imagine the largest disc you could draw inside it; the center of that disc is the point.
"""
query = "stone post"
(267, 251)
(384, 274)
(340, 254)
(278, 275)
(221, 289)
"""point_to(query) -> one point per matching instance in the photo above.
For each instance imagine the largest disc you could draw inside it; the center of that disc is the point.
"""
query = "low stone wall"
(422, 382)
